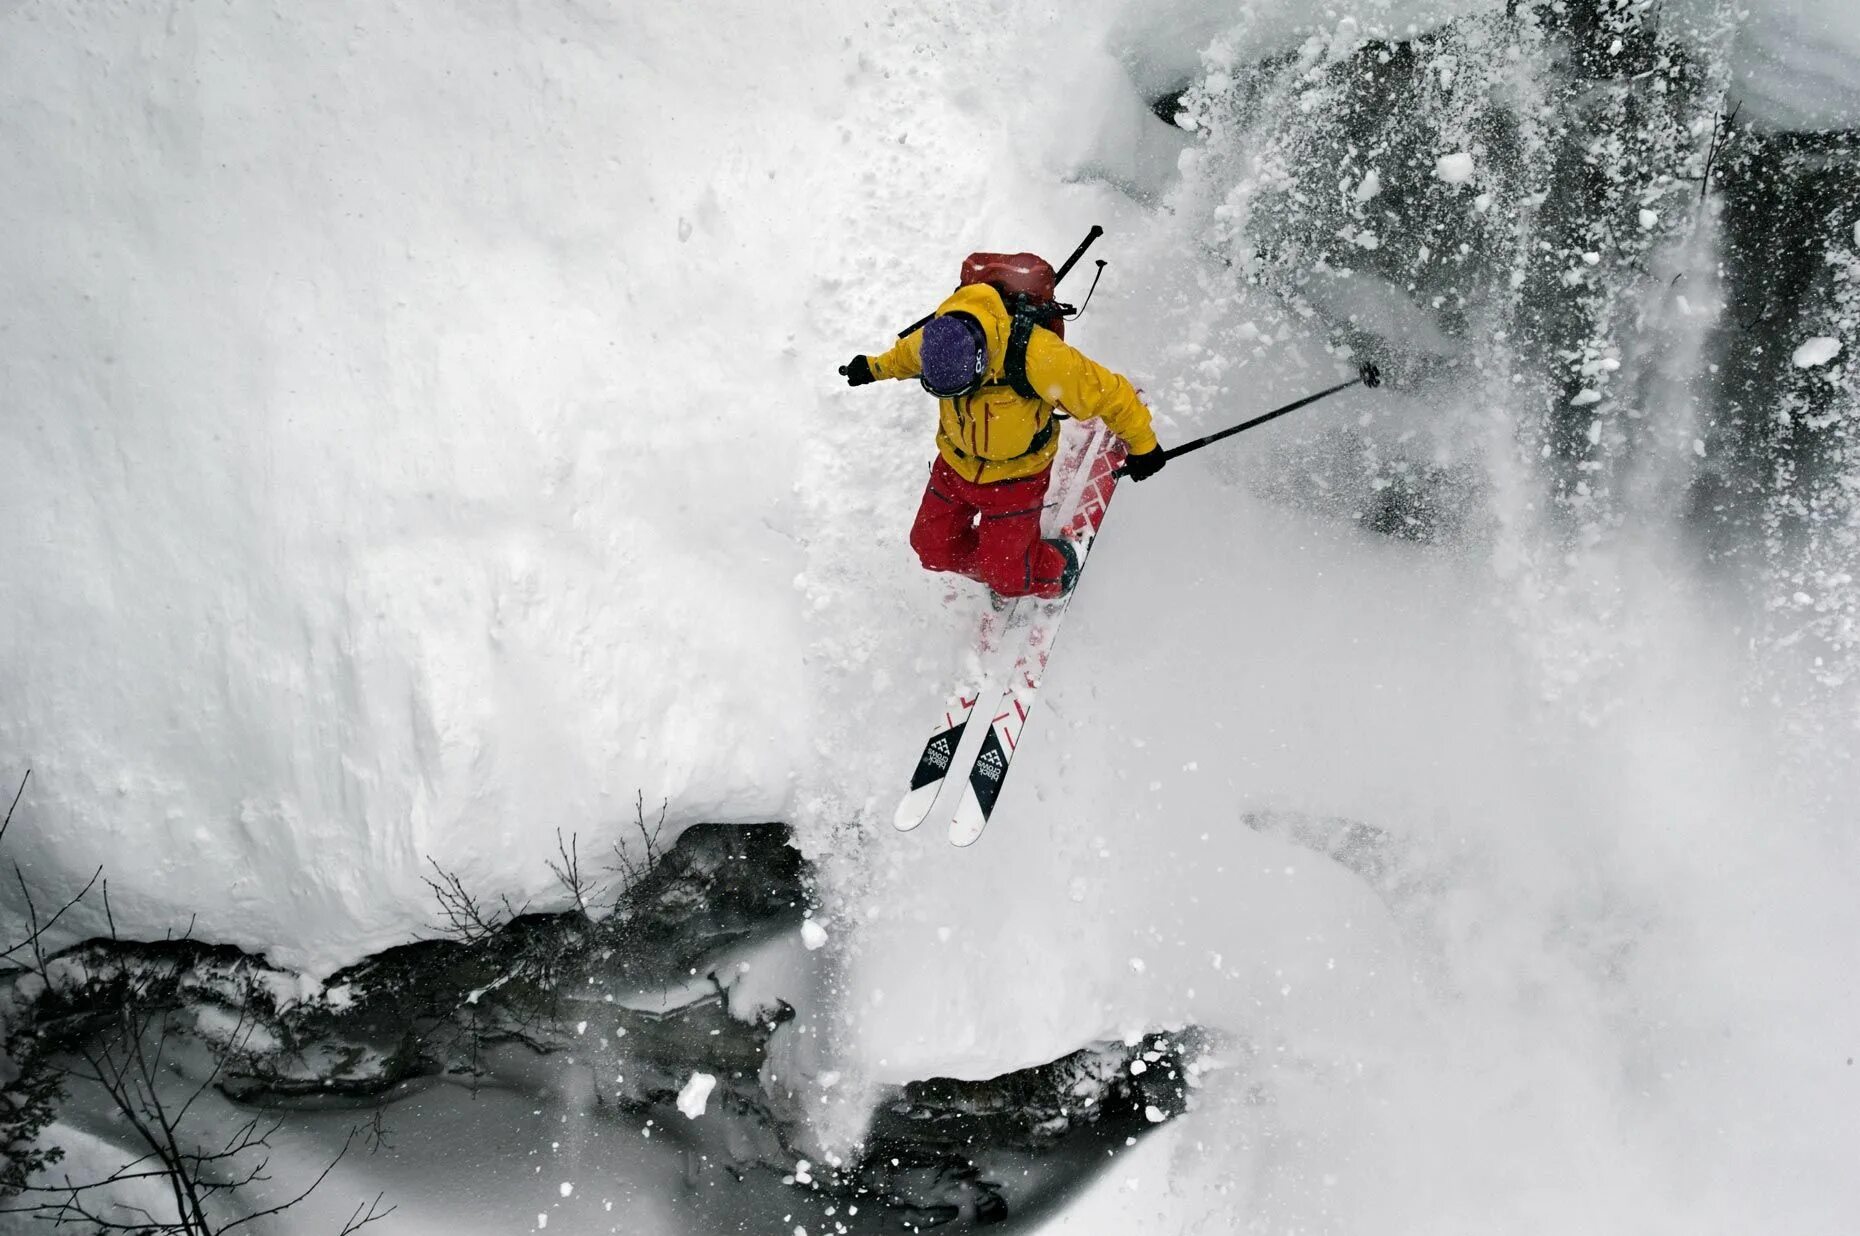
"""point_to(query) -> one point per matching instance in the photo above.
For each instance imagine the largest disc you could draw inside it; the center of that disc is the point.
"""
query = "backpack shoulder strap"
(1014, 365)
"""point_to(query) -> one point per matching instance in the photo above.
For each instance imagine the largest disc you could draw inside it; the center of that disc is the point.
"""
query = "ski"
(982, 788)
(938, 754)
(941, 749)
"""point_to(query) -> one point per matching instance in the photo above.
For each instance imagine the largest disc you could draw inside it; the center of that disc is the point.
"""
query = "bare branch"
(632, 870)
(308, 1189)
(1720, 136)
(38, 932)
(126, 1065)
(361, 1219)
(466, 918)
(377, 1132)
(568, 873)
(4, 824)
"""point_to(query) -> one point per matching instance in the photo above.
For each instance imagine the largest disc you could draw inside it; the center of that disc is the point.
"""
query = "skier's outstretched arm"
(1067, 377)
(902, 361)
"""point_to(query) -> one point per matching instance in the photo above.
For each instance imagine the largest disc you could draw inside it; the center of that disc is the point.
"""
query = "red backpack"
(1026, 282)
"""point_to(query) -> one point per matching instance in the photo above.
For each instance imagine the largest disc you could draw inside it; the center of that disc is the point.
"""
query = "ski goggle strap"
(954, 356)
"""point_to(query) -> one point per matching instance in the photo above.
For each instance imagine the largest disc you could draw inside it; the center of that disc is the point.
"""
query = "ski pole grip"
(1078, 253)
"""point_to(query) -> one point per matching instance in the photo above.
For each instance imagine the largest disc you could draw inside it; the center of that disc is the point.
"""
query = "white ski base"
(917, 806)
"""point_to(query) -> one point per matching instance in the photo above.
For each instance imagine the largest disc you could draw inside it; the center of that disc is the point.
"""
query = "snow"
(1455, 168)
(1795, 63)
(693, 1096)
(427, 438)
(433, 516)
(1817, 351)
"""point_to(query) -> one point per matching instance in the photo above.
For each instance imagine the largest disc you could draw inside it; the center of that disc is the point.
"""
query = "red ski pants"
(990, 533)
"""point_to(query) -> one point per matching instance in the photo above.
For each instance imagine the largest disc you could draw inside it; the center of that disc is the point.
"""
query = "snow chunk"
(1585, 396)
(1817, 351)
(695, 1095)
(1370, 185)
(813, 935)
(567, 1187)
(1647, 219)
(1455, 168)
(1154, 1114)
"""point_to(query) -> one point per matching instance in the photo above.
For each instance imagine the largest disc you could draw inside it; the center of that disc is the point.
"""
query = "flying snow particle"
(1817, 351)
(1136, 963)
(1138, 1068)
(542, 1220)
(695, 1095)
(567, 1187)
(1369, 186)
(1455, 168)
(813, 935)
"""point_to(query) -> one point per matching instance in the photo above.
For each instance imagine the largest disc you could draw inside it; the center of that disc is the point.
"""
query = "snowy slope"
(424, 436)
(402, 416)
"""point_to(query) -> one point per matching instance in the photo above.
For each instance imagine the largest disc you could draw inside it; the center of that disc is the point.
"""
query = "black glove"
(857, 371)
(1143, 467)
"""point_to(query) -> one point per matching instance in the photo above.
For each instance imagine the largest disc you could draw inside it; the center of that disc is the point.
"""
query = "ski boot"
(1068, 574)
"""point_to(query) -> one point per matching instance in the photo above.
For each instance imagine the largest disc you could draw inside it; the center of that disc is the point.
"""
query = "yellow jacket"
(986, 436)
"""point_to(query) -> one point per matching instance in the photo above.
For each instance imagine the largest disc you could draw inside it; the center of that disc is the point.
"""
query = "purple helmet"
(954, 353)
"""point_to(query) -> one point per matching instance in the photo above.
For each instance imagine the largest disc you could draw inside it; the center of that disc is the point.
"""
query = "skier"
(998, 387)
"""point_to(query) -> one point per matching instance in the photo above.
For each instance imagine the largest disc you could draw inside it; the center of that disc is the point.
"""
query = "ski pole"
(1367, 375)
(1077, 253)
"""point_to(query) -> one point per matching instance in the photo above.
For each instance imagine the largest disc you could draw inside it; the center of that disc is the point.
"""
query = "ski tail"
(933, 765)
